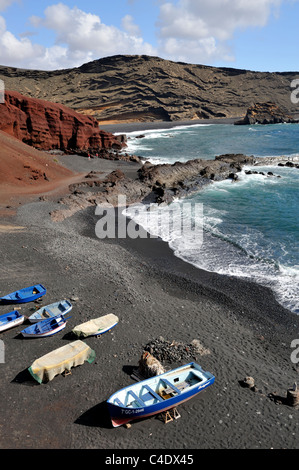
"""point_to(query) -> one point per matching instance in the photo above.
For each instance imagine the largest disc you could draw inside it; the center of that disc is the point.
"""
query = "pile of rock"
(175, 351)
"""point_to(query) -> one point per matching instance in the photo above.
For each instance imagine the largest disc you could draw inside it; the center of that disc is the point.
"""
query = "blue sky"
(251, 34)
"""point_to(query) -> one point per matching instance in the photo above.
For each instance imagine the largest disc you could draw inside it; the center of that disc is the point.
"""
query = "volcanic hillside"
(143, 88)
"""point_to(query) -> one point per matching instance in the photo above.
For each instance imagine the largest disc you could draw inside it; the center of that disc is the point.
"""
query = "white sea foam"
(240, 250)
(216, 252)
(163, 130)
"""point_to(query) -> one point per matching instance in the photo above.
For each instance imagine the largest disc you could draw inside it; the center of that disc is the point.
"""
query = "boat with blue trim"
(96, 327)
(10, 320)
(48, 327)
(22, 296)
(49, 311)
(158, 394)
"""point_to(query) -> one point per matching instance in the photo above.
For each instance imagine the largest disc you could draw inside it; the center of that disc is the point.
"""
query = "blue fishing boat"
(158, 394)
(49, 311)
(45, 327)
(10, 320)
(24, 295)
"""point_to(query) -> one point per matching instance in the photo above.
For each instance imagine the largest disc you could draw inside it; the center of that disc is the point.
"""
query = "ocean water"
(249, 228)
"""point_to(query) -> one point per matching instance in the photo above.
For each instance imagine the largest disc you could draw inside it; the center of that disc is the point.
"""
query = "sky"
(259, 35)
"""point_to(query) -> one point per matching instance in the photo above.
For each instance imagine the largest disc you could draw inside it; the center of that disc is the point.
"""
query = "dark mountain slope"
(144, 88)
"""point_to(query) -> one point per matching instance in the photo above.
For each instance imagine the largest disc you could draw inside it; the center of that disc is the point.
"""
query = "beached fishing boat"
(24, 295)
(10, 320)
(49, 311)
(96, 327)
(158, 394)
(74, 354)
(45, 327)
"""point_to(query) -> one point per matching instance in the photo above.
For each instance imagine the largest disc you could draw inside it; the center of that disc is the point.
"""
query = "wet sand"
(154, 294)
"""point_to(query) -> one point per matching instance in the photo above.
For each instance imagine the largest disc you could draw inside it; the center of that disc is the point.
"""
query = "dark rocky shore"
(155, 183)
(154, 294)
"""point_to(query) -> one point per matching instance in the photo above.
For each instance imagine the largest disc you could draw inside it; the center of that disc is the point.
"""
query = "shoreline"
(142, 126)
(155, 294)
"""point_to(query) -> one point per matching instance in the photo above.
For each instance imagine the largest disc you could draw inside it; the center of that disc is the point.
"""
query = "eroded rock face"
(265, 113)
(47, 126)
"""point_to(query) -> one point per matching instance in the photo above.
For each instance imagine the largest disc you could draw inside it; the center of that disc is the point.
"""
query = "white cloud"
(85, 37)
(194, 31)
(5, 3)
(15, 51)
(218, 18)
(79, 38)
(204, 50)
(129, 26)
(198, 30)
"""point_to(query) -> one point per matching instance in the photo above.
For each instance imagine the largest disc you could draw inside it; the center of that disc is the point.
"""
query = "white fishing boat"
(10, 320)
(49, 311)
(44, 328)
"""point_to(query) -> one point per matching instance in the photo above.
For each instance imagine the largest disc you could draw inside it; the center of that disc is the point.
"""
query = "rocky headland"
(159, 184)
(266, 113)
(126, 88)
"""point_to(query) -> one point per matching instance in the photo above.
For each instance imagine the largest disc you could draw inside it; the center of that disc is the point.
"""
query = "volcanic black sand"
(154, 294)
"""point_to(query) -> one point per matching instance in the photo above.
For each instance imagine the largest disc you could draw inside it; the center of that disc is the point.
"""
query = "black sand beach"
(154, 294)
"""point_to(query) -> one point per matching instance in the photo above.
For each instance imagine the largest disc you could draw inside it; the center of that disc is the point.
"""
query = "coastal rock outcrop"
(265, 113)
(47, 126)
(180, 179)
(154, 183)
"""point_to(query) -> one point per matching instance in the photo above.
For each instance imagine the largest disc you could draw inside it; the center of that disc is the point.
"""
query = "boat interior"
(158, 389)
(10, 317)
(55, 310)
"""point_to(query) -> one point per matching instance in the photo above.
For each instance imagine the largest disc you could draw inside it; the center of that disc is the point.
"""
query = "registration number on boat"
(132, 412)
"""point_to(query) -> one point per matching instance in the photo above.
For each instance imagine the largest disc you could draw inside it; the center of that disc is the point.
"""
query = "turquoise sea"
(250, 227)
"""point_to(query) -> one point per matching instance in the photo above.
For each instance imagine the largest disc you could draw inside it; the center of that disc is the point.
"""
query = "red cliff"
(46, 125)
